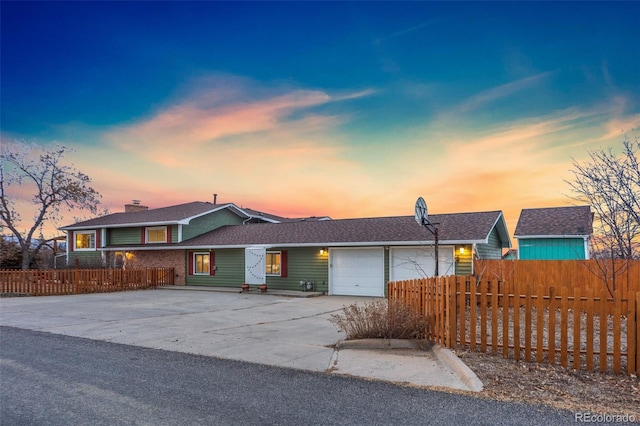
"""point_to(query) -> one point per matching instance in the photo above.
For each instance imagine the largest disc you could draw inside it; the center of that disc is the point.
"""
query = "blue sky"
(347, 109)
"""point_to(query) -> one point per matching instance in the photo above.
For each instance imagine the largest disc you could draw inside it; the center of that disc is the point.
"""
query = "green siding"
(304, 263)
(133, 235)
(551, 249)
(493, 249)
(209, 222)
(85, 259)
(117, 236)
(229, 269)
(464, 264)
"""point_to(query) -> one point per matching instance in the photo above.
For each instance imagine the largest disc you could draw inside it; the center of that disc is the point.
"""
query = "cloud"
(287, 150)
(496, 93)
(217, 112)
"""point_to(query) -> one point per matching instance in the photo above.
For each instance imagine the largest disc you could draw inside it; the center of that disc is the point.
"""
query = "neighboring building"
(554, 233)
(226, 245)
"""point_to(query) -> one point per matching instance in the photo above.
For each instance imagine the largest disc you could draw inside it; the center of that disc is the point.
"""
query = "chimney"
(135, 206)
(215, 199)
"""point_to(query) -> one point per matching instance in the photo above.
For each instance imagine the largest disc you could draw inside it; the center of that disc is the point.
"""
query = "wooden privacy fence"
(552, 325)
(78, 281)
(611, 275)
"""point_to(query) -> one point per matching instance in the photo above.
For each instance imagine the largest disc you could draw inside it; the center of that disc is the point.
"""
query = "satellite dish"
(421, 211)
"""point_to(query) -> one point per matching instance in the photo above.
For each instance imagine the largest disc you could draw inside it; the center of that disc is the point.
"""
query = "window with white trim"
(201, 264)
(273, 263)
(156, 234)
(85, 240)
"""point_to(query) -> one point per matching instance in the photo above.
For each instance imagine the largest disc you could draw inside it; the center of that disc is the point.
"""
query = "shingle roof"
(175, 214)
(555, 221)
(457, 227)
(161, 215)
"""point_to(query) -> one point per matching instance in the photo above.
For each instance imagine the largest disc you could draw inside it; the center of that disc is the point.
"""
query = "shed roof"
(555, 221)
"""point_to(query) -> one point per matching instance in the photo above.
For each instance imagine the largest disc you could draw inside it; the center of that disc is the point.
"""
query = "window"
(85, 240)
(157, 234)
(273, 263)
(201, 265)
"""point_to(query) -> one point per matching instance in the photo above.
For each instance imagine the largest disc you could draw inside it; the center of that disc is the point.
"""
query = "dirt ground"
(578, 391)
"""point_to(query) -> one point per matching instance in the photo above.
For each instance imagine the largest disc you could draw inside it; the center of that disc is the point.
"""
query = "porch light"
(461, 250)
(323, 251)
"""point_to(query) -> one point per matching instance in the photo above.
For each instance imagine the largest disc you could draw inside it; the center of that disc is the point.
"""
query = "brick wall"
(161, 259)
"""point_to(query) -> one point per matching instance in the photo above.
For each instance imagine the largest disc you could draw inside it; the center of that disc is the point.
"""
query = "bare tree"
(56, 187)
(610, 184)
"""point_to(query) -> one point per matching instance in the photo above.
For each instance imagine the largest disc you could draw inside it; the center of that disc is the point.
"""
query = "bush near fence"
(551, 325)
(80, 281)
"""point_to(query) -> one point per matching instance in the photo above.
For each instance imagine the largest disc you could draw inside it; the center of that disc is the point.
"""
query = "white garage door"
(409, 263)
(356, 272)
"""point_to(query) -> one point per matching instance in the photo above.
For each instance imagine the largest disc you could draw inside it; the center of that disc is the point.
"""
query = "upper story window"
(273, 263)
(156, 234)
(85, 240)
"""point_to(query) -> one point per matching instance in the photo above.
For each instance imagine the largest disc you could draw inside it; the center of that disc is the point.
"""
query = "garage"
(409, 263)
(356, 271)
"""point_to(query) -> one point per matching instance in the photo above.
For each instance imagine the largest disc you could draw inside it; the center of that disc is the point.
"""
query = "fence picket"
(603, 330)
(564, 319)
(527, 324)
(505, 321)
(483, 316)
(539, 305)
(590, 309)
(577, 312)
(473, 305)
(617, 314)
(552, 325)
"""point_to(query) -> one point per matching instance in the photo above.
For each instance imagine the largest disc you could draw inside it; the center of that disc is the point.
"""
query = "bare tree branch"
(610, 184)
(56, 186)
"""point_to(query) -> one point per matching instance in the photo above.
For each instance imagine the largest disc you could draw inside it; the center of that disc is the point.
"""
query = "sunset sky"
(346, 109)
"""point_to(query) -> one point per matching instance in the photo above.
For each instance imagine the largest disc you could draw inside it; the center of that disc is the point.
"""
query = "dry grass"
(576, 390)
(379, 320)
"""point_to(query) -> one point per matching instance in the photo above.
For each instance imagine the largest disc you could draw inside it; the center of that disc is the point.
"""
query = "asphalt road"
(48, 379)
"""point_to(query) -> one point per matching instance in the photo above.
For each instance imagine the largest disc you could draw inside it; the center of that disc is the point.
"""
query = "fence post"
(634, 329)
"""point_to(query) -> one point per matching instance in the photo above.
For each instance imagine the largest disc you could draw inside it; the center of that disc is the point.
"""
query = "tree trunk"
(26, 259)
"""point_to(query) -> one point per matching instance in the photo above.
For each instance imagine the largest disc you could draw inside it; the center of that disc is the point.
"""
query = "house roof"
(181, 213)
(555, 221)
(454, 228)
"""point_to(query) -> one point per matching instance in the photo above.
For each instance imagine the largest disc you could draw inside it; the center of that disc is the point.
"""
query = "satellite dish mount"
(422, 217)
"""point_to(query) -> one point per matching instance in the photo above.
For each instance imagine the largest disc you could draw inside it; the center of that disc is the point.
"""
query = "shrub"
(380, 320)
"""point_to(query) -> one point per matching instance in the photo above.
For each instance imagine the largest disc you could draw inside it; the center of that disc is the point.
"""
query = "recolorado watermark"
(589, 417)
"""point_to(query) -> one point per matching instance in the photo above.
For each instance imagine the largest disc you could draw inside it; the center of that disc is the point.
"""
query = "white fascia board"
(122, 225)
(528, 237)
(230, 206)
(332, 244)
(293, 245)
(506, 231)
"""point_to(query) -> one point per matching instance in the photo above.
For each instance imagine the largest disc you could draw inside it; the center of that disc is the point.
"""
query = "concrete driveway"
(260, 328)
